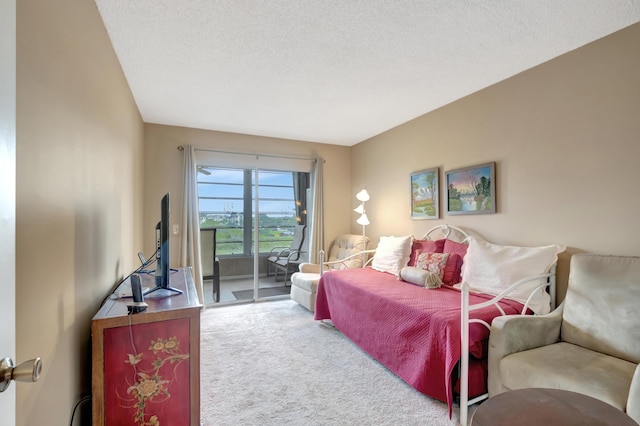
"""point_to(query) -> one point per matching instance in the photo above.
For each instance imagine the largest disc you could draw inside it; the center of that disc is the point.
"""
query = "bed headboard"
(446, 231)
(459, 235)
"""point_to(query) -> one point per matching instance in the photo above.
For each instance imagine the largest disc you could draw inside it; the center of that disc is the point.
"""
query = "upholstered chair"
(344, 253)
(590, 344)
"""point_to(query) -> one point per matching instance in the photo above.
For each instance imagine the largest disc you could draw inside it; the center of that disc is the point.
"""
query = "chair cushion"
(306, 281)
(569, 367)
(282, 263)
(602, 305)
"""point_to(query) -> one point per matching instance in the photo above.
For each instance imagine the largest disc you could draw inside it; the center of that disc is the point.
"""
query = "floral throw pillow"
(432, 262)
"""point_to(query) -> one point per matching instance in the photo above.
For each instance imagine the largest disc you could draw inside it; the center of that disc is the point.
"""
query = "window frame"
(248, 214)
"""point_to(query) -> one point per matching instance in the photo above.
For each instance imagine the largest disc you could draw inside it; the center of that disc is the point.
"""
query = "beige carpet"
(270, 363)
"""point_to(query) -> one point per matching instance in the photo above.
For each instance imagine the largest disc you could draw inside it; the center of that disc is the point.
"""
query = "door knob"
(28, 371)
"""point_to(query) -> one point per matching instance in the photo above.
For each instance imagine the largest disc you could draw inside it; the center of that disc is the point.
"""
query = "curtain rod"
(181, 148)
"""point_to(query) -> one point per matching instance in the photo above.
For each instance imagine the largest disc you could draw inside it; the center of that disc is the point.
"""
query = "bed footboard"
(550, 286)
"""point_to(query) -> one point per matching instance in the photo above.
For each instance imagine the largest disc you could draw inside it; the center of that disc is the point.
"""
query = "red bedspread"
(413, 331)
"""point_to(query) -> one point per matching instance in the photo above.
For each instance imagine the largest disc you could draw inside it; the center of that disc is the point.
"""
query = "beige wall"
(164, 170)
(566, 139)
(79, 196)
(564, 136)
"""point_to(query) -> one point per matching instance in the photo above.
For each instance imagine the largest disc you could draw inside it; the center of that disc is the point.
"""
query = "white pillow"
(421, 277)
(392, 254)
(492, 268)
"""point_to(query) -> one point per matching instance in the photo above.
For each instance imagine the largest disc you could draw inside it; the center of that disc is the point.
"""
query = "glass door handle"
(28, 371)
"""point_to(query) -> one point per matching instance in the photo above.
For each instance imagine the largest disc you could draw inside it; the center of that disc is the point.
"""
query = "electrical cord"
(148, 262)
(139, 269)
(133, 346)
(75, 407)
(135, 271)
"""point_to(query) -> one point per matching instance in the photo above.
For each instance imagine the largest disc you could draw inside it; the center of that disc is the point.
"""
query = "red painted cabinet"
(146, 366)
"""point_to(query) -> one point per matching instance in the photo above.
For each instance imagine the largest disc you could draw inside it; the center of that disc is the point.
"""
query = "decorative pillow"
(420, 277)
(424, 245)
(392, 254)
(452, 270)
(492, 268)
(433, 262)
(451, 246)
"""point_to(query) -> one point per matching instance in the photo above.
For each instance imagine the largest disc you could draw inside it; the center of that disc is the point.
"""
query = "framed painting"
(471, 190)
(425, 202)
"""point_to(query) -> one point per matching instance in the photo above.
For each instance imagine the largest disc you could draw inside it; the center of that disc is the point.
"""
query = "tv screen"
(163, 271)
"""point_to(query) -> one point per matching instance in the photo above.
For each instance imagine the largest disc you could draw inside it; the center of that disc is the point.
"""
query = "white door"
(7, 198)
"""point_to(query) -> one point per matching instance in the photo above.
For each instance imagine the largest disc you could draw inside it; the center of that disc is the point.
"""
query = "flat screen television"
(163, 271)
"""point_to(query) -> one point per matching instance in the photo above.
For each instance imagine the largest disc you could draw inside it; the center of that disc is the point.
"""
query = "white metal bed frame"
(445, 231)
(465, 320)
(322, 263)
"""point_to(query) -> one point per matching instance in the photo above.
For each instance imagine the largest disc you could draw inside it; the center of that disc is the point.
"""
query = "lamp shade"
(363, 220)
(359, 209)
(363, 195)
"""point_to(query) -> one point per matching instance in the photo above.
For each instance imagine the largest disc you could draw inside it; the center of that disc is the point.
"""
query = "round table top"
(548, 407)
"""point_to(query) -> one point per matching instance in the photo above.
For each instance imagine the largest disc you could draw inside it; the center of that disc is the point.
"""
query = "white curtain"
(190, 242)
(316, 233)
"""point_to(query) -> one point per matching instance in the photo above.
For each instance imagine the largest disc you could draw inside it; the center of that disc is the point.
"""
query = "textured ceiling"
(335, 71)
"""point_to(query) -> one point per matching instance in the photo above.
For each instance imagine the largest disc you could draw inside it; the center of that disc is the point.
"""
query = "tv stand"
(161, 287)
(169, 289)
(164, 342)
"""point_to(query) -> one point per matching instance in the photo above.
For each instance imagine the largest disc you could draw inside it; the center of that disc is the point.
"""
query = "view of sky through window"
(222, 191)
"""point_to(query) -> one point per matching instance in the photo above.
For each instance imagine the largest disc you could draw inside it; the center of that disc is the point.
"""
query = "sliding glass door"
(256, 214)
(280, 216)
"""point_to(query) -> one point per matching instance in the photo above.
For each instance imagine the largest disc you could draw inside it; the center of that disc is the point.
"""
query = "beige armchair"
(345, 252)
(590, 344)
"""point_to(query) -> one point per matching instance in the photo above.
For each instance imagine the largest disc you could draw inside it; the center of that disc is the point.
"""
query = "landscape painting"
(471, 190)
(424, 194)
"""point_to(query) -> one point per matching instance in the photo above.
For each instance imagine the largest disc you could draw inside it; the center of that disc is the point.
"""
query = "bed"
(435, 339)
